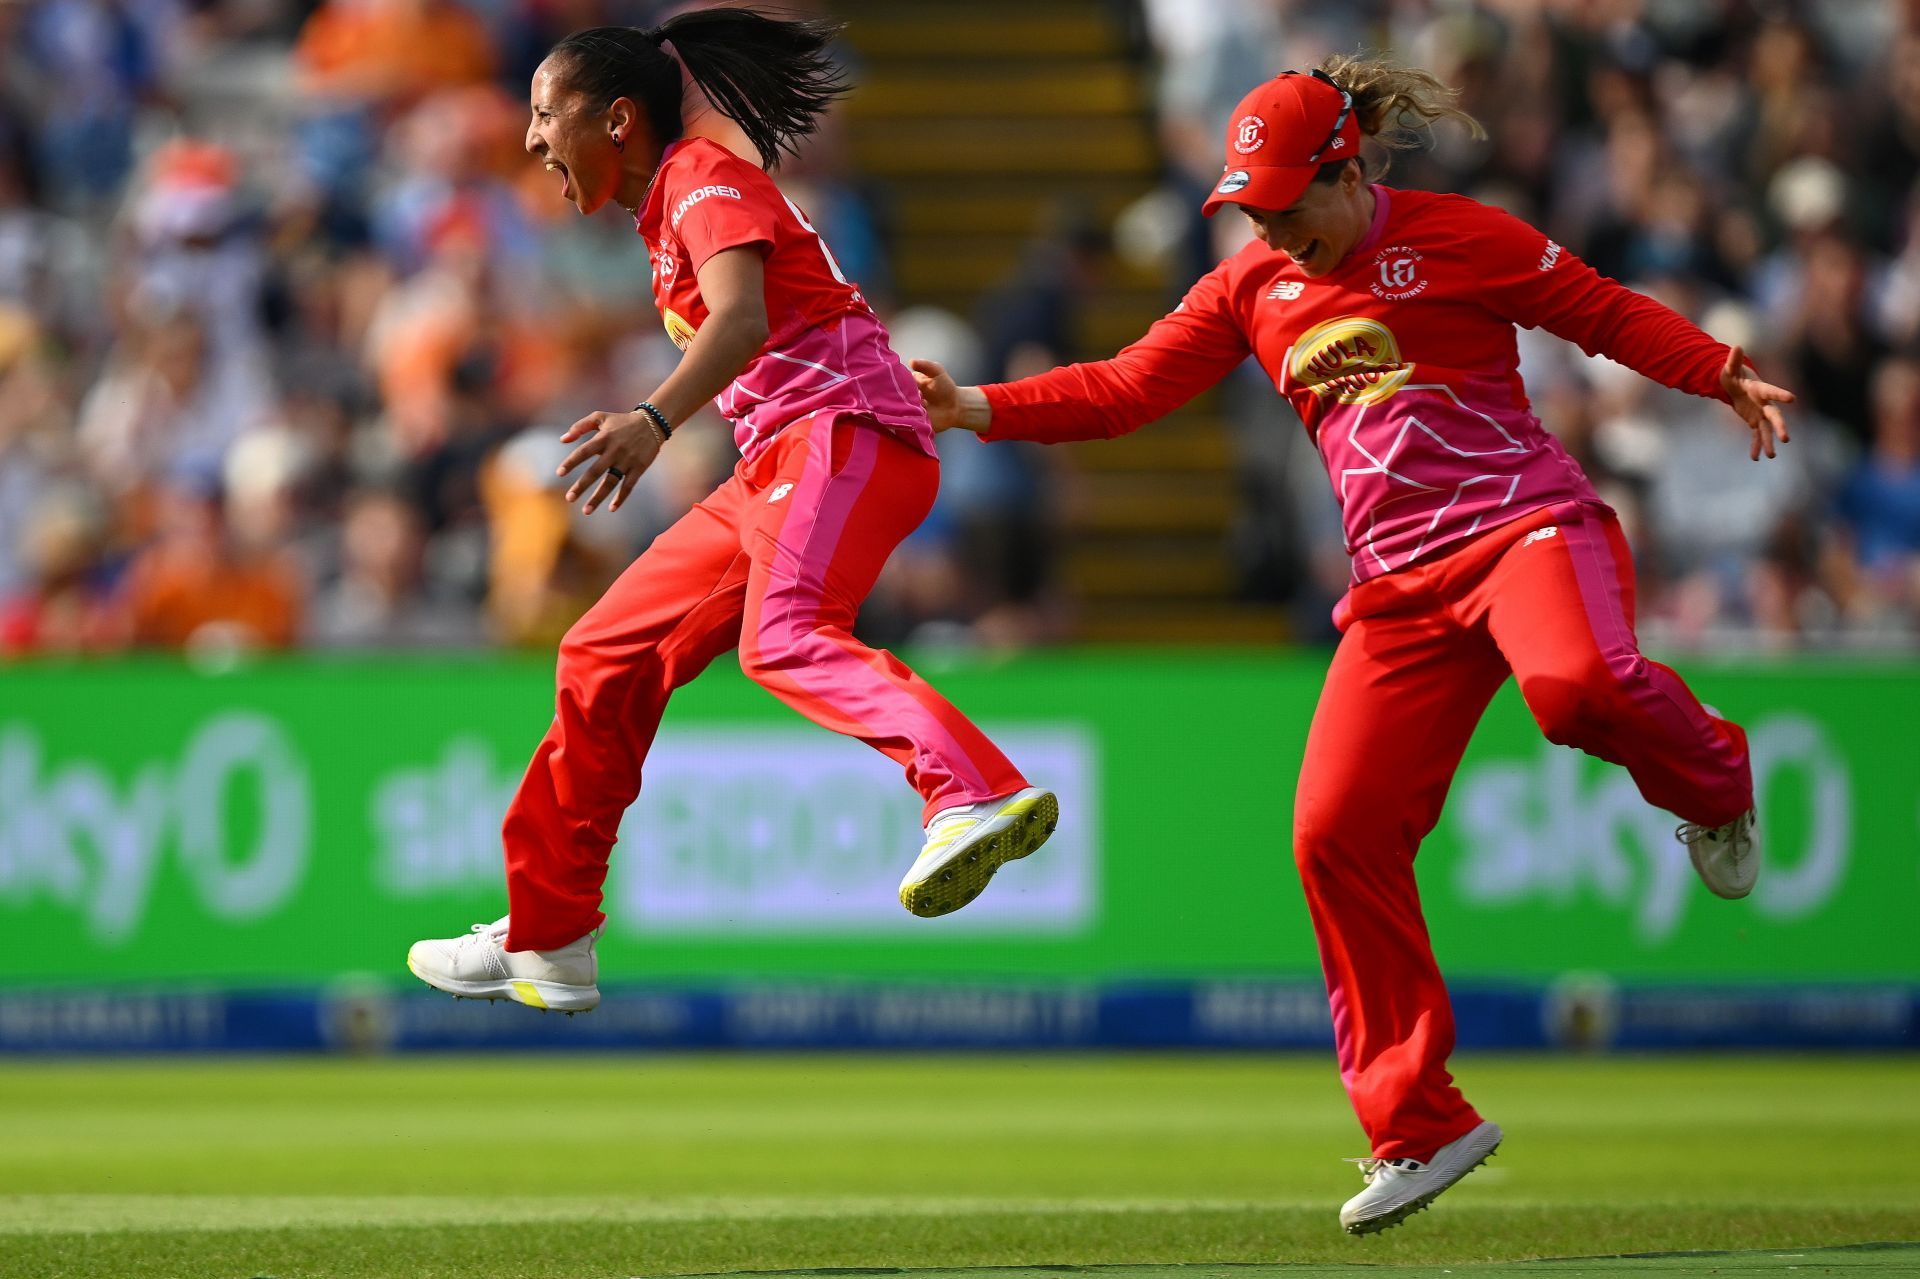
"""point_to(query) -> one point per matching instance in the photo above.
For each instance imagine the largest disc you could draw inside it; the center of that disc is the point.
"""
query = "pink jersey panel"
(846, 366)
(827, 352)
(1430, 465)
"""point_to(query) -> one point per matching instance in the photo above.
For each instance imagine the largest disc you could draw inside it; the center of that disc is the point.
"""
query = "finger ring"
(616, 473)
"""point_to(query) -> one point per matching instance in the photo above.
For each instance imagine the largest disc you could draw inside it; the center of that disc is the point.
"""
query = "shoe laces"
(1691, 833)
(487, 934)
(1371, 1167)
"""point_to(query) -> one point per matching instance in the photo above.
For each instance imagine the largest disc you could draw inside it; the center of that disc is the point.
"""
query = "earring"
(619, 143)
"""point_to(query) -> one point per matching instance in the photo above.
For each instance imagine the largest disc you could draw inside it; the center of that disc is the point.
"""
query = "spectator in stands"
(67, 604)
(93, 64)
(201, 587)
(35, 417)
(383, 599)
(1880, 500)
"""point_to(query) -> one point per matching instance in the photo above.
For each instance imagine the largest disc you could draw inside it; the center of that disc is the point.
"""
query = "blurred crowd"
(290, 325)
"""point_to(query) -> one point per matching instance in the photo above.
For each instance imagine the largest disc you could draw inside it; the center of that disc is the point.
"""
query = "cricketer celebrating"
(1479, 548)
(837, 467)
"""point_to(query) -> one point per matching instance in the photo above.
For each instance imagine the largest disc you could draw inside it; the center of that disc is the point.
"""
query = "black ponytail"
(770, 76)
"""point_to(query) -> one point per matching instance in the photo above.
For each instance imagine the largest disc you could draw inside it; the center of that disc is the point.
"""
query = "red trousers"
(1549, 598)
(776, 562)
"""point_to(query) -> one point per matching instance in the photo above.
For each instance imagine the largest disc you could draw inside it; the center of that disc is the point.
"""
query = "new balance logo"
(1540, 535)
(779, 493)
(1286, 290)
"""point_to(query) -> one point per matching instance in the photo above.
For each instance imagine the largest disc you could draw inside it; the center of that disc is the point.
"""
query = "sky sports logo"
(698, 194)
(788, 832)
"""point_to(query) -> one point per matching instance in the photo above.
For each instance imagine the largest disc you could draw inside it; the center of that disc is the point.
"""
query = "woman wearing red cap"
(1479, 548)
(837, 467)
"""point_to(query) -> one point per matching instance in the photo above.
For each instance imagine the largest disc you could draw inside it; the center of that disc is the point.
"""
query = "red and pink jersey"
(826, 351)
(1401, 362)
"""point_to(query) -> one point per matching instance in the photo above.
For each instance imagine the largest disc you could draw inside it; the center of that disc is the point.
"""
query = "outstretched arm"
(1182, 355)
(1534, 282)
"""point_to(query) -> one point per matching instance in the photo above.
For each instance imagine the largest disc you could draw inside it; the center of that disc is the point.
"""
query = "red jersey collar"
(1375, 230)
(650, 202)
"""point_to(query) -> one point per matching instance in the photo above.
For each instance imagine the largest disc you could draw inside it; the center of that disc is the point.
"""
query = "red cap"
(1278, 138)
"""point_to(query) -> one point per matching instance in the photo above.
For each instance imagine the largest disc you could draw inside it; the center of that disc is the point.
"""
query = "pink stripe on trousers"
(790, 638)
(1690, 764)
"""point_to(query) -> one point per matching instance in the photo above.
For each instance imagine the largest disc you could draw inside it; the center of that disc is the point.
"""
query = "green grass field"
(560, 1166)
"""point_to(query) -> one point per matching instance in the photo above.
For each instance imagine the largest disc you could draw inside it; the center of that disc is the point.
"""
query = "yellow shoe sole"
(963, 877)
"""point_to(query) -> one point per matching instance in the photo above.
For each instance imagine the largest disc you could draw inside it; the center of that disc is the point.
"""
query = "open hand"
(617, 448)
(1756, 402)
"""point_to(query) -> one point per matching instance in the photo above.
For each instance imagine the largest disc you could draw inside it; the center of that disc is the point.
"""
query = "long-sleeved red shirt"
(1401, 362)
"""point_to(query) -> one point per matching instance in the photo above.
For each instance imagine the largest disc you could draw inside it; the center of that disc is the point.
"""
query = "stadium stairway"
(980, 120)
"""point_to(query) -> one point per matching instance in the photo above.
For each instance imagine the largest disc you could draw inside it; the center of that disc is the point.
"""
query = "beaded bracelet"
(659, 419)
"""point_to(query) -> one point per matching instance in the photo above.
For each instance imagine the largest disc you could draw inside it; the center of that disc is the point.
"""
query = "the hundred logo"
(1351, 358)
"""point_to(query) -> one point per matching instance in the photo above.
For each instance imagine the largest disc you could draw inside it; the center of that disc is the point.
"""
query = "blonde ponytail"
(1386, 95)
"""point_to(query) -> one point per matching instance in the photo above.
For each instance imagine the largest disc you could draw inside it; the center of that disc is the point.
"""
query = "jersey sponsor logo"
(1551, 257)
(1286, 290)
(1249, 135)
(1234, 181)
(698, 194)
(1397, 274)
(677, 327)
(1540, 535)
(1352, 358)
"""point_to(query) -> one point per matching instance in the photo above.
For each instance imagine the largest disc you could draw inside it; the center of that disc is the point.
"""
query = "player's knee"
(579, 650)
(1571, 706)
(1322, 835)
(771, 650)
(590, 658)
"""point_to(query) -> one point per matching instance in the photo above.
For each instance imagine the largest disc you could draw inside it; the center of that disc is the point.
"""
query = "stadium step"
(1162, 568)
(922, 266)
(990, 126)
(1152, 504)
(897, 148)
(933, 90)
(1185, 622)
(1181, 443)
(949, 206)
(892, 33)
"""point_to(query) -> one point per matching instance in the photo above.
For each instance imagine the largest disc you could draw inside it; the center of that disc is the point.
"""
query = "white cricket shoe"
(479, 966)
(966, 844)
(1398, 1188)
(1727, 857)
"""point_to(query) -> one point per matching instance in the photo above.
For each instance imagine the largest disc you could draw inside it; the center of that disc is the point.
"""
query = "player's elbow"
(744, 326)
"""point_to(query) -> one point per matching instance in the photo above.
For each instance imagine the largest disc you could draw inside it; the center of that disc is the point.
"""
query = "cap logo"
(1233, 182)
(1249, 135)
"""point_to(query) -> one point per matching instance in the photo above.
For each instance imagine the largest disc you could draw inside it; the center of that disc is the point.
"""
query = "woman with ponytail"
(1386, 317)
(837, 467)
